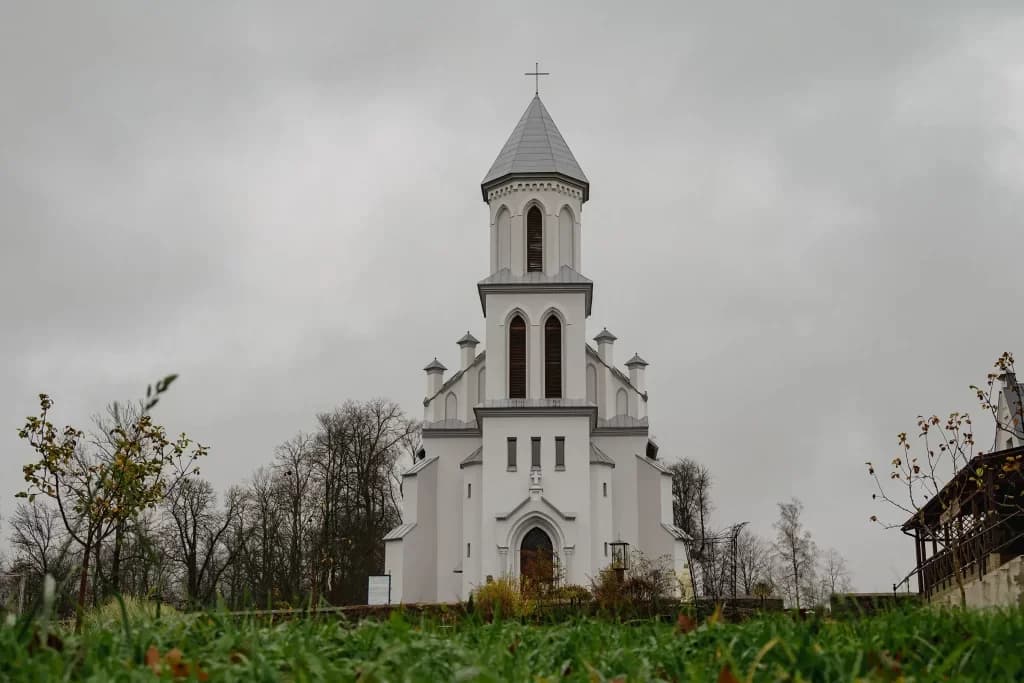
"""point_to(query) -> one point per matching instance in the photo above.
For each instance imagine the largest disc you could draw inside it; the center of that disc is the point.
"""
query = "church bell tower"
(535, 190)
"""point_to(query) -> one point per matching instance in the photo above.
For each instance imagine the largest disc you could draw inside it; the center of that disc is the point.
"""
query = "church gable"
(620, 402)
(451, 404)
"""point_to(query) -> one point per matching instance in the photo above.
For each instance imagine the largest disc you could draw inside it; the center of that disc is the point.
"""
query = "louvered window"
(534, 241)
(517, 358)
(553, 358)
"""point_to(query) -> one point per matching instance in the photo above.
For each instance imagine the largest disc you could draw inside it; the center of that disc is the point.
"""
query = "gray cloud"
(275, 202)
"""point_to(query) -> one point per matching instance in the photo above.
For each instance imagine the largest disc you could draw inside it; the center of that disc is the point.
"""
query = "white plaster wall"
(394, 553)
(652, 540)
(601, 373)
(1000, 587)
(417, 551)
(572, 306)
(466, 392)
(446, 499)
(516, 196)
(567, 490)
(601, 509)
(625, 493)
(471, 518)
(410, 489)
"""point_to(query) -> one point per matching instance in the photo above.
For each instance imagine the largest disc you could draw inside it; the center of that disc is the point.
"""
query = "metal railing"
(974, 551)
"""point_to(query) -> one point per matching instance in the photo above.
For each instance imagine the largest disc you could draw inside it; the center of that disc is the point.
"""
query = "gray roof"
(675, 532)
(615, 371)
(468, 339)
(473, 458)
(605, 335)
(454, 378)
(566, 279)
(420, 466)
(435, 365)
(636, 360)
(655, 464)
(565, 276)
(399, 531)
(623, 421)
(599, 457)
(535, 148)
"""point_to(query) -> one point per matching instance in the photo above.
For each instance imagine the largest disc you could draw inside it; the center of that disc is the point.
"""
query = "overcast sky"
(806, 216)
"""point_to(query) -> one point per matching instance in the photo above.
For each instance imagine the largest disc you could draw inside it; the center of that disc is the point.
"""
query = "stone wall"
(854, 604)
(999, 587)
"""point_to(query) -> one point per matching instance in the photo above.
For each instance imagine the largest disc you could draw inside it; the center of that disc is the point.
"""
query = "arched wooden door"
(537, 557)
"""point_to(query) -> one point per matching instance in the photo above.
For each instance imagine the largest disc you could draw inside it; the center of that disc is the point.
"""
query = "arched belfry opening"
(537, 557)
(553, 357)
(517, 357)
(534, 240)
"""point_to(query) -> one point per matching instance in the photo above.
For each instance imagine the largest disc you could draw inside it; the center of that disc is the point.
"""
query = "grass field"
(912, 646)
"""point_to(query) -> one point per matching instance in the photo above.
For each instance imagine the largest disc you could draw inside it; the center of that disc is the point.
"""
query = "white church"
(539, 443)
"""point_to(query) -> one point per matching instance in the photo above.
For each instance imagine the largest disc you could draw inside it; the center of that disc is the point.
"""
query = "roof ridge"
(521, 127)
(544, 116)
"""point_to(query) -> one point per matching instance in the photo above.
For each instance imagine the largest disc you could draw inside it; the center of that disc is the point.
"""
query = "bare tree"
(753, 561)
(691, 497)
(795, 550)
(835, 575)
(96, 492)
(955, 500)
(359, 446)
(294, 469)
(198, 535)
(38, 537)
(927, 487)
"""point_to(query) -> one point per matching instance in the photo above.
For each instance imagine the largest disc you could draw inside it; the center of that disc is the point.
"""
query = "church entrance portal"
(537, 557)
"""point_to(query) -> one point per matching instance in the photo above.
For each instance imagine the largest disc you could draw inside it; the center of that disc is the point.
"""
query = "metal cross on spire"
(536, 73)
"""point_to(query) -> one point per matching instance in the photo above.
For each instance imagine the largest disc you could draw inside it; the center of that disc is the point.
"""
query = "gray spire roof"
(605, 335)
(468, 339)
(636, 360)
(435, 365)
(535, 148)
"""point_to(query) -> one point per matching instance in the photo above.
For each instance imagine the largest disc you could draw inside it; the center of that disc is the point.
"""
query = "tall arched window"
(591, 383)
(517, 358)
(534, 240)
(621, 402)
(566, 250)
(504, 239)
(451, 407)
(553, 357)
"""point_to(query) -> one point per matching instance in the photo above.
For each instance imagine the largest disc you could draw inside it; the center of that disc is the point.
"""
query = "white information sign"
(379, 592)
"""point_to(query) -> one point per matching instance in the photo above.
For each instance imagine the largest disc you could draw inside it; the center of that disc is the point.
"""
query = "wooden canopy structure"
(975, 521)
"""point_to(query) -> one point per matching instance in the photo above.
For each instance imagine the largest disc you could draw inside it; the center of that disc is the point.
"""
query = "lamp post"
(620, 558)
(735, 538)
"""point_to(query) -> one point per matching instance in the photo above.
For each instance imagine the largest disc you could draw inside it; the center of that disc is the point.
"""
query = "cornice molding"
(640, 430)
(523, 182)
(589, 411)
(536, 288)
(454, 433)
